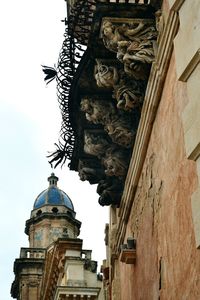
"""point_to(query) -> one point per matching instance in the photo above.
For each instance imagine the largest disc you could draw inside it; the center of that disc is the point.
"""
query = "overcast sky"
(31, 34)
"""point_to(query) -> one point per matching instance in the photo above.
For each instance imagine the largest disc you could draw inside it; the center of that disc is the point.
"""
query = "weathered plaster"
(161, 216)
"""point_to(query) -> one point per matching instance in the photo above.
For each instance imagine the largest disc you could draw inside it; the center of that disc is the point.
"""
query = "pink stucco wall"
(167, 262)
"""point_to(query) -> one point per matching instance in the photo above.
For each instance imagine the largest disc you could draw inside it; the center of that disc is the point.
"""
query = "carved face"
(95, 145)
(134, 53)
(115, 166)
(106, 76)
(90, 174)
(129, 96)
(98, 111)
(108, 29)
(120, 134)
(85, 105)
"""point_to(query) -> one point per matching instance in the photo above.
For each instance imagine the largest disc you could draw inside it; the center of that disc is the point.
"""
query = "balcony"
(32, 253)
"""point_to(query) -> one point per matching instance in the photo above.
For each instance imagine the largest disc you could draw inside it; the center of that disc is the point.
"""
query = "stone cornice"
(177, 5)
(48, 215)
(151, 102)
(21, 263)
(25, 266)
(88, 291)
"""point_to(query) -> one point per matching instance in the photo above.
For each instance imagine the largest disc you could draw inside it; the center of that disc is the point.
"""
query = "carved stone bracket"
(128, 251)
(95, 143)
(128, 256)
(90, 170)
(110, 190)
(128, 92)
(114, 159)
(134, 41)
(112, 145)
(121, 127)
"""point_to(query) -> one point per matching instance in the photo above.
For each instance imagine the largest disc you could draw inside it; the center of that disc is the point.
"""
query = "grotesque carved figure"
(113, 34)
(105, 76)
(110, 191)
(134, 44)
(121, 132)
(114, 159)
(116, 162)
(136, 58)
(95, 144)
(92, 173)
(98, 111)
(120, 127)
(129, 93)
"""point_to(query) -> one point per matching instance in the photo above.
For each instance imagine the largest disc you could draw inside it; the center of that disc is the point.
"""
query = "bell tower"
(52, 217)
(55, 257)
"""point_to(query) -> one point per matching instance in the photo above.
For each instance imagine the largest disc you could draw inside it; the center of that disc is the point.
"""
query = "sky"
(31, 35)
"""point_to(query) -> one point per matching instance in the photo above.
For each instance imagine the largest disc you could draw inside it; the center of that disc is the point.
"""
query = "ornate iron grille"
(78, 26)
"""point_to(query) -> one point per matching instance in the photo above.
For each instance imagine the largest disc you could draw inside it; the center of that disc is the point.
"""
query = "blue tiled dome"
(53, 195)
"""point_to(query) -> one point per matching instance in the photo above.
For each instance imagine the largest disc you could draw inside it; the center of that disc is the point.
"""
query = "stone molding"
(191, 66)
(195, 203)
(79, 291)
(176, 4)
(188, 69)
(151, 102)
(186, 43)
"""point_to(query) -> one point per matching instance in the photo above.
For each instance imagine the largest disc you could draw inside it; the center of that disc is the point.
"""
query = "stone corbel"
(114, 159)
(134, 42)
(128, 252)
(121, 127)
(95, 143)
(127, 91)
(110, 191)
(128, 256)
(90, 170)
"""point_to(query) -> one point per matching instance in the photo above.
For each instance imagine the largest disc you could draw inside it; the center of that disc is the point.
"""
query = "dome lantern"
(53, 180)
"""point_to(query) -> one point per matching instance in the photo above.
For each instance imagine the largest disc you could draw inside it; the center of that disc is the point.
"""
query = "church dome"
(53, 196)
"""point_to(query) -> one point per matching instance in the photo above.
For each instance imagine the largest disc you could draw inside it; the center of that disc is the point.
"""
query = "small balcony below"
(32, 253)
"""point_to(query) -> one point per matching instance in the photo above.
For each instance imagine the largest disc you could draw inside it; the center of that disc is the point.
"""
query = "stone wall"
(162, 218)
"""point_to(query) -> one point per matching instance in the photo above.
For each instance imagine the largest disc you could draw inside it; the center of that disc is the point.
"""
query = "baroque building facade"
(160, 204)
(55, 266)
(137, 138)
(128, 77)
